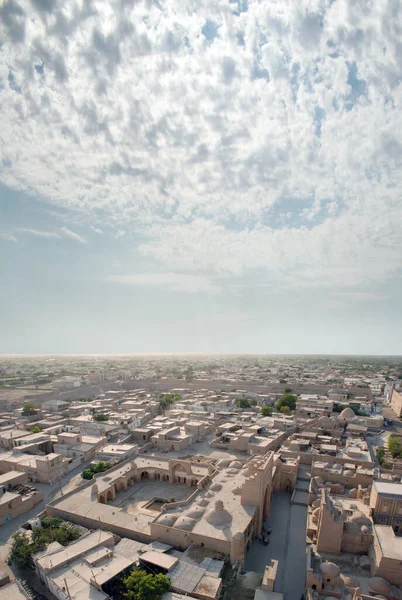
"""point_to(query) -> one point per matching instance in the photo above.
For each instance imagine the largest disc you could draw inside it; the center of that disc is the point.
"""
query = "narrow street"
(50, 492)
(287, 545)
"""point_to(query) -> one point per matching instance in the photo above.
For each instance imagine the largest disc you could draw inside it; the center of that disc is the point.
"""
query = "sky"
(201, 176)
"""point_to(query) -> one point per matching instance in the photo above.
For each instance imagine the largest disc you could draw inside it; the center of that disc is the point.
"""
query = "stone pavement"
(287, 545)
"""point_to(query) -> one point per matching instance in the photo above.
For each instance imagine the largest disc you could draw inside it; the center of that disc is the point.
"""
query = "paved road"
(50, 492)
(287, 545)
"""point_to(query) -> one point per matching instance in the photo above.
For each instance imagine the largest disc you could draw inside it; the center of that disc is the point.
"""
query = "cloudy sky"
(201, 176)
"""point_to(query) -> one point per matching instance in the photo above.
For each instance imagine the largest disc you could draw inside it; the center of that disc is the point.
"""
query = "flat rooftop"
(13, 591)
(390, 544)
(392, 489)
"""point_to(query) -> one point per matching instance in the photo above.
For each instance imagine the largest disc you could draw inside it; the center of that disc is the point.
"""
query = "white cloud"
(7, 237)
(177, 282)
(73, 235)
(38, 233)
(266, 141)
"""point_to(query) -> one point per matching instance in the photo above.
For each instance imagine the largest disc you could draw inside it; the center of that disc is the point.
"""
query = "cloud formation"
(73, 235)
(177, 282)
(38, 233)
(233, 136)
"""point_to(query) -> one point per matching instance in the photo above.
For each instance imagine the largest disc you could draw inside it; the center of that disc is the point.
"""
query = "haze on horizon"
(216, 177)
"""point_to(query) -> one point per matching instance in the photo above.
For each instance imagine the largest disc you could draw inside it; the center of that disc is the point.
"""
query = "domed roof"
(196, 513)
(202, 502)
(352, 493)
(236, 491)
(323, 419)
(223, 462)
(239, 536)
(350, 581)
(329, 568)
(380, 585)
(348, 473)
(185, 523)
(167, 519)
(316, 503)
(347, 413)
(235, 464)
(360, 518)
(219, 515)
(352, 528)
(216, 487)
(251, 580)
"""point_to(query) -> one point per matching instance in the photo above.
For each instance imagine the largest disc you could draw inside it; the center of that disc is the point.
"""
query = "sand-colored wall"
(396, 402)
(348, 482)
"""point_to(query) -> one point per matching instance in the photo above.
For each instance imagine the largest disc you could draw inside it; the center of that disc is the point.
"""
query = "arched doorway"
(110, 495)
(157, 476)
(102, 500)
(287, 485)
(145, 475)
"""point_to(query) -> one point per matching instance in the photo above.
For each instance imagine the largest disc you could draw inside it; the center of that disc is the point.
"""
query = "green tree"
(288, 400)
(285, 410)
(243, 403)
(340, 407)
(395, 447)
(52, 530)
(36, 429)
(101, 417)
(100, 467)
(29, 409)
(51, 522)
(266, 411)
(287, 390)
(165, 400)
(90, 471)
(87, 474)
(21, 552)
(381, 455)
(143, 586)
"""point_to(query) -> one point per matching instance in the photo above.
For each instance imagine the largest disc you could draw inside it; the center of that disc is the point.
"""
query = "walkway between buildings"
(287, 543)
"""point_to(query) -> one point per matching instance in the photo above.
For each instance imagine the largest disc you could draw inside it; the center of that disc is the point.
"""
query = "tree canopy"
(29, 409)
(165, 400)
(143, 586)
(243, 403)
(52, 530)
(288, 400)
(90, 471)
(395, 447)
(101, 417)
(266, 411)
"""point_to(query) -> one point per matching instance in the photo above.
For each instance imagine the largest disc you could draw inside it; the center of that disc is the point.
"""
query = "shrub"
(288, 400)
(143, 586)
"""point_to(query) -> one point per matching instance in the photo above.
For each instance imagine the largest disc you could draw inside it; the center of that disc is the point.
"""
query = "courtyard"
(141, 494)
